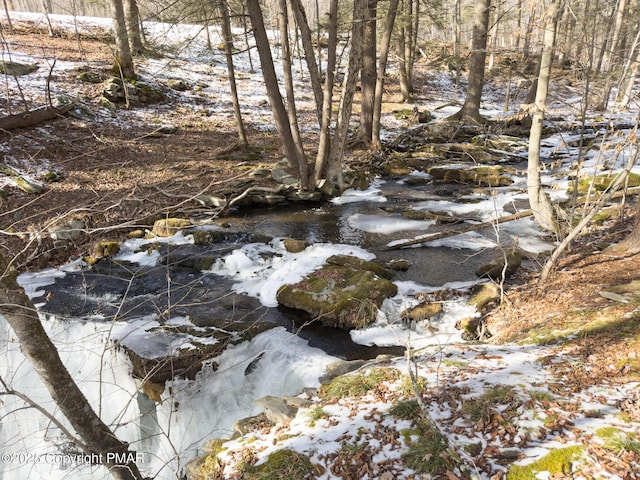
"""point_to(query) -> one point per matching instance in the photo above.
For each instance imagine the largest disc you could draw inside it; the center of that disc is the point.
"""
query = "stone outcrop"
(339, 296)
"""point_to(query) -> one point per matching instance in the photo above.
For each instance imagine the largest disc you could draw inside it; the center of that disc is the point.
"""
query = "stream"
(160, 300)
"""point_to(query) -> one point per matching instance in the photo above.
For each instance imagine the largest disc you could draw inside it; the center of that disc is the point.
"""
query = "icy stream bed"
(275, 362)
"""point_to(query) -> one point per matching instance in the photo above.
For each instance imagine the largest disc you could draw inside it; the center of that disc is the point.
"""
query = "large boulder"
(339, 296)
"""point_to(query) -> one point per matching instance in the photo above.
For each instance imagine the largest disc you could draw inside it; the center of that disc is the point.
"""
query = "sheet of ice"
(261, 269)
(469, 240)
(486, 208)
(371, 194)
(130, 249)
(386, 224)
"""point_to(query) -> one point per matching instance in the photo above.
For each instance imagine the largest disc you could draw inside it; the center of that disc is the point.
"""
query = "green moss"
(356, 385)
(406, 409)
(556, 462)
(315, 414)
(430, 454)
(284, 465)
(480, 409)
(618, 441)
(603, 182)
(407, 388)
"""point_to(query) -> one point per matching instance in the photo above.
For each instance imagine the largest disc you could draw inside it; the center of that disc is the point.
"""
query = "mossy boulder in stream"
(484, 176)
(339, 296)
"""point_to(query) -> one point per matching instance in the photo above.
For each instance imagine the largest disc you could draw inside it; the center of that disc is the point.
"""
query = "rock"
(249, 424)
(294, 246)
(496, 267)
(207, 237)
(178, 85)
(470, 328)
(423, 311)
(282, 175)
(339, 296)
(67, 231)
(211, 200)
(168, 227)
(483, 294)
(17, 69)
(89, 76)
(153, 390)
(277, 410)
(106, 248)
(488, 176)
(341, 367)
(132, 91)
(398, 265)
(360, 264)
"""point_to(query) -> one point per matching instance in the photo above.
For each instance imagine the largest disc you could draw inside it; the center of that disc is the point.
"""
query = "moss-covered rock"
(360, 264)
(504, 264)
(106, 248)
(423, 311)
(17, 69)
(168, 227)
(484, 176)
(339, 296)
(556, 462)
(483, 294)
(603, 182)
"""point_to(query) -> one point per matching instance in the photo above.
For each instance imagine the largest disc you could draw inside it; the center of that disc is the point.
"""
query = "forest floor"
(123, 172)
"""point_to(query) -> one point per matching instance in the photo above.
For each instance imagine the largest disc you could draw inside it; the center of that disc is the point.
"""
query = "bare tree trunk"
(405, 53)
(312, 64)
(338, 144)
(470, 111)
(283, 21)
(36, 346)
(538, 199)
(382, 69)
(124, 61)
(628, 77)
(278, 109)
(132, 14)
(324, 142)
(6, 12)
(228, 50)
(368, 74)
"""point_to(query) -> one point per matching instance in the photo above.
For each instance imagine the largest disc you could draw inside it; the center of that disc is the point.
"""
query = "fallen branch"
(458, 231)
(34, 117)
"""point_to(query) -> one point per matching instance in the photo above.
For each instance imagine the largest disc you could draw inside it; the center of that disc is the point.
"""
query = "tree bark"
(368, 74)
(273, 91)
(338, 144)
(470, 111)
(382, 69)
(310, 58)
(124, 61)
(538, 198)
(283, 21)
(132, 14)
(231, 72)
(21, 315)
(405, 52)
(324, 142)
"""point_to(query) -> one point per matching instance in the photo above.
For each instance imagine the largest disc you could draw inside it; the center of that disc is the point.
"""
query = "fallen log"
(458, 231)
(34, 117)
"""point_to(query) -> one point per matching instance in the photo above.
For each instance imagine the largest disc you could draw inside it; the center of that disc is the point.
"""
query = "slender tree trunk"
(231, 72)
(404, 50)
(278, 109)
(6, 12)
(309, 55)
(538, 199)
(628, 77)
(283, 21)
(368, 74)
(338, 144)
(132, 14)
(470, 111)
(382, 69)
(124, 61)
(324, 142)
(21, 315)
